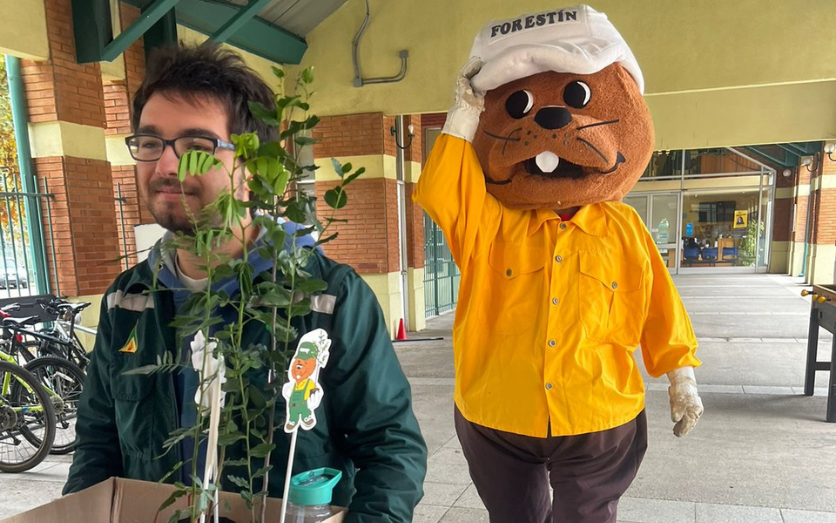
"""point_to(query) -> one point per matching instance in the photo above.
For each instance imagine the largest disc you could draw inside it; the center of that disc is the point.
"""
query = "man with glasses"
(195, 98)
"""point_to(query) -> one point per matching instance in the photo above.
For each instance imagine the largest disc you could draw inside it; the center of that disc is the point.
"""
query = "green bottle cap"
(313, 487)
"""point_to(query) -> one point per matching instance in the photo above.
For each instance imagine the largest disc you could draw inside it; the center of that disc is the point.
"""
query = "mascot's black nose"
(553, 117)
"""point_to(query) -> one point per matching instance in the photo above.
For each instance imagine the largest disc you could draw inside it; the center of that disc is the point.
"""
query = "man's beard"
(170, 221)
(172, 215)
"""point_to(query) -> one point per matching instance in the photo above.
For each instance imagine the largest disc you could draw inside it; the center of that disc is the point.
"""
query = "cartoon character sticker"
(303, 392)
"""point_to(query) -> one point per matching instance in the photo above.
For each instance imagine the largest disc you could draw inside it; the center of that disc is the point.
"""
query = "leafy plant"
(271, 299)
(749, 244)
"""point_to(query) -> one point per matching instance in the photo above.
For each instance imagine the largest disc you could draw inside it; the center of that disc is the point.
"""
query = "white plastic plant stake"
(303, 394)
(211, 375)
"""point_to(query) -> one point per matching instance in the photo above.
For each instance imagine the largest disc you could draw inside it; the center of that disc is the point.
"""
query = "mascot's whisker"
(608, 122)
(505, 138)
(619, 159)
(599, 153)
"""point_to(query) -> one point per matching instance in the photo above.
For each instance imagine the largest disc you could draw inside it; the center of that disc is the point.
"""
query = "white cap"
(568, 40)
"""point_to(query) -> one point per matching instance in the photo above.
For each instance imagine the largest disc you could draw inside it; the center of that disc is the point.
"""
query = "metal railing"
(19, 266)
(441, 275)
(120, 200)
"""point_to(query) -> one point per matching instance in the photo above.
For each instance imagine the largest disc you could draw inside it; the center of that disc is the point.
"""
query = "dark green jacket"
(365, 425)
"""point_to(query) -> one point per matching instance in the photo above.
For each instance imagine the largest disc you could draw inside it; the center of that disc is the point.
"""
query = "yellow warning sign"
(741, 219)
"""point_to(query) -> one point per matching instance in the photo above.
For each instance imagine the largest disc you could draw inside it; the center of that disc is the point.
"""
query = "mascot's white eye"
(577, 94)
(519, 104)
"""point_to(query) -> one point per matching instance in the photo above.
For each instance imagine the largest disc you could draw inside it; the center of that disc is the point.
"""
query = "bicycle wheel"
(63, 381)
(25, 411)
(71, 350)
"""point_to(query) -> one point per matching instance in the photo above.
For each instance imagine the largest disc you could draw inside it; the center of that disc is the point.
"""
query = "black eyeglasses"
(149, 148)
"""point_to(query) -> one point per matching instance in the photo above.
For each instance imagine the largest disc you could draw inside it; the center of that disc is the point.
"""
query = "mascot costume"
(561, 282)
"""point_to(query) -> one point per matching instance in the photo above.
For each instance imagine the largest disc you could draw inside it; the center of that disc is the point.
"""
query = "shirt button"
(548, 386)
(552, 343)
(558, 259)
(614, 285)
(508, 272)
(555, 301)
(562, 226)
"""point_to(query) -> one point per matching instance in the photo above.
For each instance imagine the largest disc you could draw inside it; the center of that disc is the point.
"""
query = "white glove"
(315, 399)
(463, 117)
(686, 405)
(209, 369)
(287, 389)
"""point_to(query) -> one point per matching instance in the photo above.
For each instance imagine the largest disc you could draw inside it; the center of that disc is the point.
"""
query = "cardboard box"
(129, 501)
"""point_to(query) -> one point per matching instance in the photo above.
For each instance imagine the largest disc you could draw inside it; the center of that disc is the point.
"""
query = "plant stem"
(271, 378)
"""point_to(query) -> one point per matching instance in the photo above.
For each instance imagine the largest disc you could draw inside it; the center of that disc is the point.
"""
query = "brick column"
(118, 96)
(369, 241)
(67, 120)
(823, 242)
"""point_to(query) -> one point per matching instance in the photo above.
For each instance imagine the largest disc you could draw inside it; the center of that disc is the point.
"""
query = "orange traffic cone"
(401, 332)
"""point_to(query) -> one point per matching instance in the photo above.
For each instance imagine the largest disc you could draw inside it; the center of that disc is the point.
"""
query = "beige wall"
(769, 114)
(717, 72)
(89, 318)
(387, 289)
(24, 29)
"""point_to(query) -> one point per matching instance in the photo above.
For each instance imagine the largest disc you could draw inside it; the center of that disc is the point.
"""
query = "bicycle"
(62, 379)
(27, 419)
(67, 315)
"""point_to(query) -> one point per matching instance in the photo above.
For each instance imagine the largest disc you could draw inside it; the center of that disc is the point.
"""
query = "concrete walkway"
(761, 454)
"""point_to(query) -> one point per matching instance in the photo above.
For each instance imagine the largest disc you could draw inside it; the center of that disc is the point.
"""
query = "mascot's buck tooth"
(560, 281)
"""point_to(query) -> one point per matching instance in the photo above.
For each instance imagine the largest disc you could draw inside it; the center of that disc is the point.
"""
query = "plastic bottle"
(309, 500)
(307, 513)
(664, 225)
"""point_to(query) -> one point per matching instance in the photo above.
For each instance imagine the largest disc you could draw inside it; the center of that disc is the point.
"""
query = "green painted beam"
(239, 20)
(137, 3)
(256, 35)
(161, 34)
(92, 29)
(788, 150)
(756, 151)
(805, 148)
(93, 32)
(146, 20)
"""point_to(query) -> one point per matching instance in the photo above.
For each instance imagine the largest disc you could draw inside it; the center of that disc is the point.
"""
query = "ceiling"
(299, 17)
(272, 29)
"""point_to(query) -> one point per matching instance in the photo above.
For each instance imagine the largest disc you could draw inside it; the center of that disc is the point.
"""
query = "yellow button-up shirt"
(551, 311)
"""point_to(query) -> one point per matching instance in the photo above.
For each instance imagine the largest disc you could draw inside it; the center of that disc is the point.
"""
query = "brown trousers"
(588, 473)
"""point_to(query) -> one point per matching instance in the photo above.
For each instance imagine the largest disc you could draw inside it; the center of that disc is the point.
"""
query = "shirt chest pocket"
(511, 294)
(611, 298)
(133, 402)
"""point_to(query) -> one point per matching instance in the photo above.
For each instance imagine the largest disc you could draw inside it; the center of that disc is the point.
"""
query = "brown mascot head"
(565, 124)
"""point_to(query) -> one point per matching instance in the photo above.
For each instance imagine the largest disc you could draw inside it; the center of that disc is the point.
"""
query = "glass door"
(725, 230)
(663, 223)
(660, 213)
